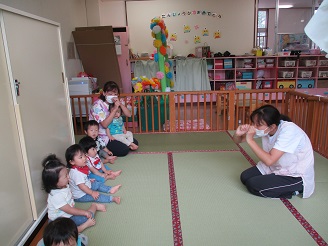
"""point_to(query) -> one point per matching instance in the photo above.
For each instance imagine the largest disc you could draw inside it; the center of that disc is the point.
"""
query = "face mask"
(109, 98)
(261, 133)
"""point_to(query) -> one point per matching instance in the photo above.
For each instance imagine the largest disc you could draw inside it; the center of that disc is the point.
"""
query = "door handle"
(17, 83)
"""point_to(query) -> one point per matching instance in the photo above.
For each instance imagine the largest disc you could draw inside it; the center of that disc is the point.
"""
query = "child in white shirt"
(83, 188)
(60, 200)
(99, 171)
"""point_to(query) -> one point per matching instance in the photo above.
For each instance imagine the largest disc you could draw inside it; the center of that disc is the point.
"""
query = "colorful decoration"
(143, 84)
(197, 40)
(186, 28)
(160, 33)
(217, 34)
(205, 32)
(174, 37)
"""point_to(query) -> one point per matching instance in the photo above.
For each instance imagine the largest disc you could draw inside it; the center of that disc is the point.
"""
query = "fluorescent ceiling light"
(287, 6)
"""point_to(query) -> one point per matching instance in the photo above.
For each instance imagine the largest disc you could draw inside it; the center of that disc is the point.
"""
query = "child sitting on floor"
(83, 188)
(116, 129)
(99, 171)
(60, 200)
(91, 128)
(62, 232)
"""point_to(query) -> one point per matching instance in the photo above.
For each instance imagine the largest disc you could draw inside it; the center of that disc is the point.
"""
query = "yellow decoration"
(157, 43)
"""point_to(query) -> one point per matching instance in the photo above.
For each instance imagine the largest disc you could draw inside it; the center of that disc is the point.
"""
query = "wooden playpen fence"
(212, 111)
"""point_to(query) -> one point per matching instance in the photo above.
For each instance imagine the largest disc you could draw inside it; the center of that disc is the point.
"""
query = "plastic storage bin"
(286, 74)
(305, 83)
(267, 84)
(309, 63)
(323, 62)
(323, 74)
(305, 74)
(244, 85)
(227, 63)
(288, 63)
(247, 75)
(284, 84)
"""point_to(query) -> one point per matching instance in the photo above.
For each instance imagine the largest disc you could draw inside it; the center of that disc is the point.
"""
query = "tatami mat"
(144, 215)
(215, 208)
(185, 141)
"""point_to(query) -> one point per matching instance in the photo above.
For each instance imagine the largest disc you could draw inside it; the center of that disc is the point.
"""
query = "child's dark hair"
(269, 114)
(90, 123)
(109, 86)
(72, 151)
(61, 230)
(50, 173)
(87, 143)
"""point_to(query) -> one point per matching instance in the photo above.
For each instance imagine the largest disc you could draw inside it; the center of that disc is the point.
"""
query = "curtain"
(147, 68)
(192, 75)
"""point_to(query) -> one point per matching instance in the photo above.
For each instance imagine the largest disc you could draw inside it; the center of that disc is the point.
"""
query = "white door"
(34, 51)
(15, 204)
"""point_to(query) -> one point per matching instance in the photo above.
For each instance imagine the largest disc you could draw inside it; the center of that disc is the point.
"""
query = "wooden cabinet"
(36, 118)
(267, 72)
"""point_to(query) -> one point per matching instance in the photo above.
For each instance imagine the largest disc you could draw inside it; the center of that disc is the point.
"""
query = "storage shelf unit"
(252, 72)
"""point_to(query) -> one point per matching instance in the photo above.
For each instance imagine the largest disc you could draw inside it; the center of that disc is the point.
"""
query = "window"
(262, 28)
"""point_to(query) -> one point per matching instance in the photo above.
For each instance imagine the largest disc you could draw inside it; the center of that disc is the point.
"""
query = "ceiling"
(294, 3)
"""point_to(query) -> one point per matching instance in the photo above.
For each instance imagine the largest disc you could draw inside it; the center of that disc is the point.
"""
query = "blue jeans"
(98, 178)
(80, 219)
(97, 186)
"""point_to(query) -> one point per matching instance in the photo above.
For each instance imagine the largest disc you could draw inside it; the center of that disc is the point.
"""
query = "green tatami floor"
(184, 189)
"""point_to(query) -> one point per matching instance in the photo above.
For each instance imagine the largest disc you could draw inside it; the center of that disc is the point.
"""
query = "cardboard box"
(322, 83)
(96, 49)
(305, 83)
(242, 85)
(284, 84)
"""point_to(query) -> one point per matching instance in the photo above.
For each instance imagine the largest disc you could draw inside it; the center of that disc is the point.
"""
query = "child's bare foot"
(112, 175)
(100, 207)
(116, 199)
(117, 173)
(133, 146)
(111, 159)
(90, 222)
(114, 189)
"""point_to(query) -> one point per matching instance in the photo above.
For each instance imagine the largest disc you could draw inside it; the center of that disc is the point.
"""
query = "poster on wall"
(293, 41)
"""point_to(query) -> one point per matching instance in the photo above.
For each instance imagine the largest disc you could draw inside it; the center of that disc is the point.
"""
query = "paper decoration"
(217, 34)
(174, 37)
(186, 28)
(196, 27)
(197, 40)
(188, 13)
(205, 32)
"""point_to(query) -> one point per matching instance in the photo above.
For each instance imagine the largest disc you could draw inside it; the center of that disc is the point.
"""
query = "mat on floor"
(185, 141)
(144, 214)
(193, 196)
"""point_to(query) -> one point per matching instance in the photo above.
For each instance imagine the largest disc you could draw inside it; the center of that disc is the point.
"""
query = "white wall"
(69, 13)
(112, 13)
(236, 25)
(293, 20)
